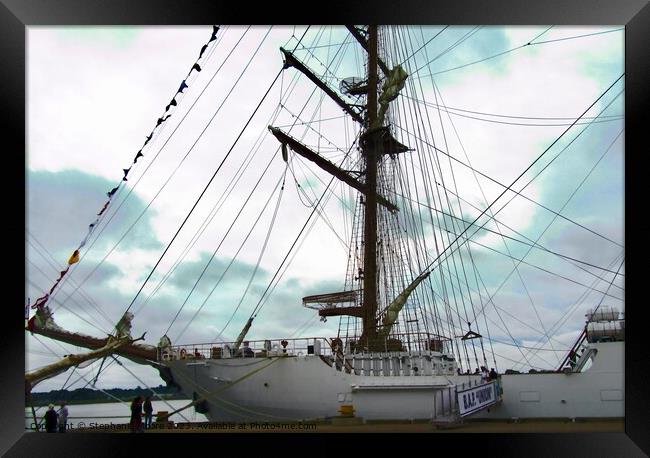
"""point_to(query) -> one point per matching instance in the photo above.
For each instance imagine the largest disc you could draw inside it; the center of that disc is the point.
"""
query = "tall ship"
(363, 148)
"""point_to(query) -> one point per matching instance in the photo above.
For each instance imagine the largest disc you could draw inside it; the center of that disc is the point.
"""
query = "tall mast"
(374, 143)
(370, 150)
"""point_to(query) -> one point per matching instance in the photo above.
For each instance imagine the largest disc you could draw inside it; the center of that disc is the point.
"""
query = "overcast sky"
(94, 95)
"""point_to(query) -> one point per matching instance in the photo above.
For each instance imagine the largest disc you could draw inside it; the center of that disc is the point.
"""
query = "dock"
(615, 425)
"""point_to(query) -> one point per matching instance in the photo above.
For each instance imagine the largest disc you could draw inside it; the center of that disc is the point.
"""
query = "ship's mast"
(375, 141)
(371, 153)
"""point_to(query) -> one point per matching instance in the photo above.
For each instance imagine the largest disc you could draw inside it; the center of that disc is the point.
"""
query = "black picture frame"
(16, 15)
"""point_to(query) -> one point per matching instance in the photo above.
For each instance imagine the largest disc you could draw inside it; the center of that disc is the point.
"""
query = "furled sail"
(392, 311)
(390, 90)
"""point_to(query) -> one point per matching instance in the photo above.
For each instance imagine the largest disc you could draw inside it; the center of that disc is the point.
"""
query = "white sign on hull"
(477, 398)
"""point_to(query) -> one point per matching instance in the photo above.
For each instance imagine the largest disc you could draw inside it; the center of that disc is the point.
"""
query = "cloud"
(479, 44)
(186, 274)
(99, 37)
(61, 205)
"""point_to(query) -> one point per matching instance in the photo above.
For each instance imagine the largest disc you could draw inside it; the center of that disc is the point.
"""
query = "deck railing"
(407, 342)
(253, 349)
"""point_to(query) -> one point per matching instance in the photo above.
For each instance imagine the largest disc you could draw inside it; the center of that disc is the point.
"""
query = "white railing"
(319, 346)
(410, 342)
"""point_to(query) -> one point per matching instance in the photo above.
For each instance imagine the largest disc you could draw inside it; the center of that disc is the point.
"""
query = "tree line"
(88, 395)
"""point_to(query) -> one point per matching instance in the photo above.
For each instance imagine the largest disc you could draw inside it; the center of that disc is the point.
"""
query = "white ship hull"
(305, 387)
(598, 392)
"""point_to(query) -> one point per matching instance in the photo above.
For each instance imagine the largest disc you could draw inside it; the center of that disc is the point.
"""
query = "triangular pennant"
(126, 172)
(171, 104)
(148, 138)
(74, 258)
(183, 86)
(215, 29)
(112, 191)
(138, 156)
(205, 46)
(196, 67)
(104, 208)
(163, 119)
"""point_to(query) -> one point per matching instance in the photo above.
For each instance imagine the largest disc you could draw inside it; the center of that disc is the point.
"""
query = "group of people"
(56, 421)
(486, 376)
(137, 407)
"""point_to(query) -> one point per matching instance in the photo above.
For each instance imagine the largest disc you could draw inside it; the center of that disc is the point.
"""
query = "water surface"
(102, 415)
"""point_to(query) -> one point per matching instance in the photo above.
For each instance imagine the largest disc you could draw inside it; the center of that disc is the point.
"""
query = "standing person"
(136, 415)
(484, 374)
(148, 412)
(50, 418)
(493, 374)
(248, 351)
(63, 417)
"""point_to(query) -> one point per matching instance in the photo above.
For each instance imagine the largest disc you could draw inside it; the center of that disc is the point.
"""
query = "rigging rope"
(578, 36)
(517, 193)
(483, 212)
(146, 386)
(204, 302)
(419, 228)
(530, 43)
(214, 253)
(262, 299)
(409, 57)
(53, 263)
(260, 304)
(94, 325)
(259, 258)
(478, 61)
(528, 168)
(451, 110)
(530, 243)
(454, 45)
(248, 160)
(564, 318)
(82, 376)
(209, 182)
(177, 104)
(520, 277)
(75, 257)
